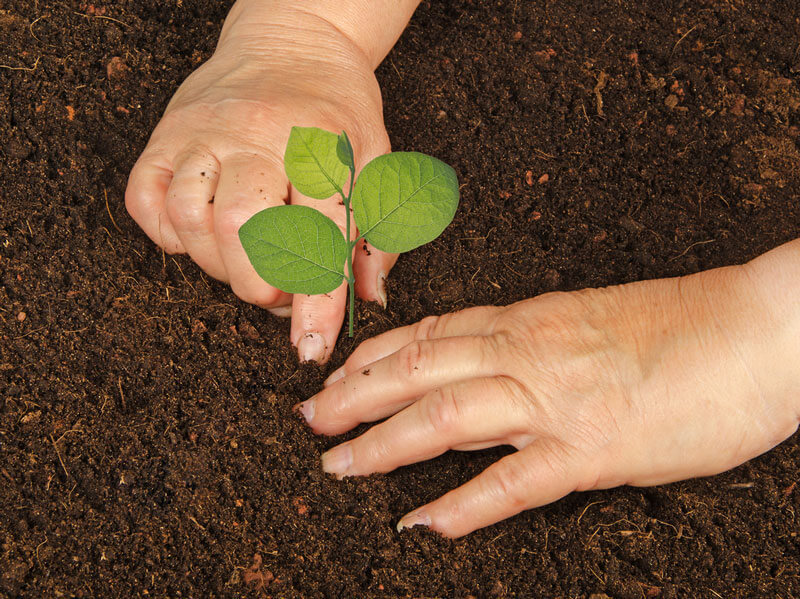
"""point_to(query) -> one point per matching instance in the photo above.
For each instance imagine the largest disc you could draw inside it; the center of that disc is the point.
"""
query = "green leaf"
(404, 200)
(312, 162)
(296, 249)
(344, 150)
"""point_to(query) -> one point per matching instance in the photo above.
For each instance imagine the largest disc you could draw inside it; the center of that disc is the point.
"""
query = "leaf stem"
(351, 279)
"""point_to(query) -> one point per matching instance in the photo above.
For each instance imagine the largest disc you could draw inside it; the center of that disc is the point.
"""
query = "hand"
(216, 157)
(640, 384)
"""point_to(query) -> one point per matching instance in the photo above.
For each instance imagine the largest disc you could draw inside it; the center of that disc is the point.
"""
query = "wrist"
(774, 278)
(371, 26)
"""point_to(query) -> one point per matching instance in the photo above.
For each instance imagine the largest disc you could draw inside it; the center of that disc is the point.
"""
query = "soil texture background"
(147, 442)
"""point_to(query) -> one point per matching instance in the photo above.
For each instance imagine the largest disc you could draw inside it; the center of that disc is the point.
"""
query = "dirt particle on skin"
(365, 372)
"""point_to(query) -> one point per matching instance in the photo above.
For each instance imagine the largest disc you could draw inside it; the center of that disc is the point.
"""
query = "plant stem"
(351, 279)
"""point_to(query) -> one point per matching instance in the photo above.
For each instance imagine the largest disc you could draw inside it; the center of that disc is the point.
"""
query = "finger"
(190, 206)
(247, 184)
(371, 267)
(144, 199)
(390, 384)
(470, 411)
(317, 319)
(539, 474)
(472, 321)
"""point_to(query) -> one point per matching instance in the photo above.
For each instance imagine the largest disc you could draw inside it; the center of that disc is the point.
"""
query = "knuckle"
(188, 214)
(442, 411)
(491, 347)
(428, 327)
(412, 358)
(263, 296)
(523, 402)
(229, 222)
(506, 480)
(197, 156)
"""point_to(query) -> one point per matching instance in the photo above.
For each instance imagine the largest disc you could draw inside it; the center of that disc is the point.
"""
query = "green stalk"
(351, 279)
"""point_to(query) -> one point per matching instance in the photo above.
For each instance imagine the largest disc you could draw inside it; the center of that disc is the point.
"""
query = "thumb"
(370, 265)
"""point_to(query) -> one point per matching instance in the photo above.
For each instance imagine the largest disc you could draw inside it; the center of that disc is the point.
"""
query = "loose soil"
(147, 442)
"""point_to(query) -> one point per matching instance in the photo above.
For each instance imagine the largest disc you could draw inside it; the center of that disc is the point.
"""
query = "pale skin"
(640, 384)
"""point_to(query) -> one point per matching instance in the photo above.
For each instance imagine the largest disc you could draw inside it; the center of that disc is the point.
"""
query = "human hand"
(216, 157)
(640, 384)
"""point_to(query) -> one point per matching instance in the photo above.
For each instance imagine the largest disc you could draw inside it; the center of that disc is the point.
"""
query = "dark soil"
(147, 443)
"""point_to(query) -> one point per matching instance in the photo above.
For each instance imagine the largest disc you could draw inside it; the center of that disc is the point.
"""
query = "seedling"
(400, 201)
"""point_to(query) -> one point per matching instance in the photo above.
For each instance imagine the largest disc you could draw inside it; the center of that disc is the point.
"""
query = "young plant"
(400, 201)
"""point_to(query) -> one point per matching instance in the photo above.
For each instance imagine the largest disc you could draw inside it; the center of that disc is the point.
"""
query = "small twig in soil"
(58, 453)
(683, 253)
(200, 526)
(586, 508)
(685, 35)
(33, 68)
(596, 576)
(113, 222)
(29, 333)
(184, 276)
(584, 113)
(547, 535)
(475, 275)
(602, 80)
(34, 23)
(121, 394)
(749, 485)
(80, 14)
(545, 154)
(395, 69)
(37, 551)
(502, 534)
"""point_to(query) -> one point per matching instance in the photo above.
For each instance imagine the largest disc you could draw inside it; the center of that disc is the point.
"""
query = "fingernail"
(311, 347)
(338, 460)
(384, 301)
(334, 376)
(307, 409)
(413, 519)
(281, 311)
